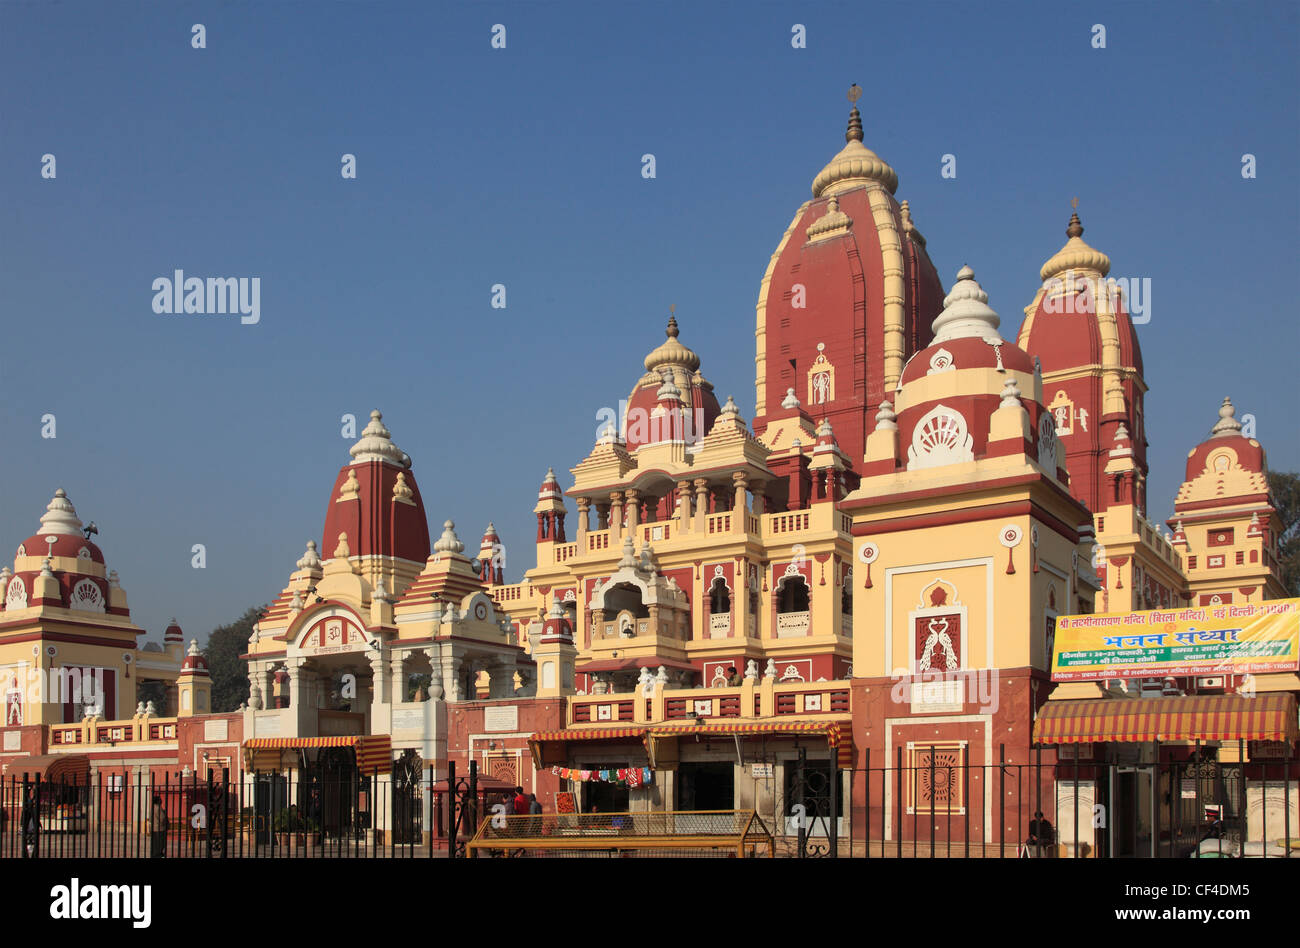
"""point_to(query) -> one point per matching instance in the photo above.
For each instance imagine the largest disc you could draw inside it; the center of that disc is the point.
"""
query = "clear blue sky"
(522, 166)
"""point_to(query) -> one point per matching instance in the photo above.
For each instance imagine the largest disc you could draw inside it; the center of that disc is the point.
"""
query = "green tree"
(230, 672)
(1284, 492)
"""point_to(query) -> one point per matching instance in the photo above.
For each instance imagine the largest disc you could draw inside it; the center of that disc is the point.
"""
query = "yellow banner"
(1207, 640)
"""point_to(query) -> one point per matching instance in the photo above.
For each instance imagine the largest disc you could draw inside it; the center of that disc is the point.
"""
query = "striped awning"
(374, 751)
(548, 747)
(1268, 717)
(51, 768)
(838, 734)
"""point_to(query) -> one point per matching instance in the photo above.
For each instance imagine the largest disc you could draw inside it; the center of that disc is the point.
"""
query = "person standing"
(521, 802)
(31, 825)
(534, 815)
(157, 829)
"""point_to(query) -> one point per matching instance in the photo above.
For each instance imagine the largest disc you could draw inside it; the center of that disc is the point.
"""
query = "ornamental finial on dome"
(854, 131)
(966, 312)
(886, 420)
(60, 516)
(1227, 426)
(449, 542)
(672, 352)
(791, 400)
(1075, 255)
(310, 559)
(1010, 394)
(376, 444)
(668, 389)
(856, 164)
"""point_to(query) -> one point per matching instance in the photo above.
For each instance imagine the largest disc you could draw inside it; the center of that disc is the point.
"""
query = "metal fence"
(934, 803)
(261, 816)
(940, 805)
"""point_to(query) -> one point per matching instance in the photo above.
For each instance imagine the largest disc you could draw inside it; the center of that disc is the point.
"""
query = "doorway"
(706, 786)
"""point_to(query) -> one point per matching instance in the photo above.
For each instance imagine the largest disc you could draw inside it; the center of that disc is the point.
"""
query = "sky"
(522, 166)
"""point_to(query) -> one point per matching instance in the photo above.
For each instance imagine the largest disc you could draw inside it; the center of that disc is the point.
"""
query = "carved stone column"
(615, 516)
(436, 689)
(758, 489)
(584, 509)
(500, 679)
(602, 516)
(741, 507)
(397, 666)
(633, 510)
(701, 504)
(381, 684)
(684, 506)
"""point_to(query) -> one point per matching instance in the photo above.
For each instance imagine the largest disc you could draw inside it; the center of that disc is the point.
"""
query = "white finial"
(310, 559)
(790, 401)
(1121, 432)
(449, 542)
(886, 420)
(376, 444)
(629, 555)
(194, 647)
(1010, 394)
(1227, 426)
(60, 516)
(667, 389)
(966, 312)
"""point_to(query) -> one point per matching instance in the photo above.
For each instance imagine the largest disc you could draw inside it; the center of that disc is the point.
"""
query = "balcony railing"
(134, 730)
(756, 698)
(792, 624)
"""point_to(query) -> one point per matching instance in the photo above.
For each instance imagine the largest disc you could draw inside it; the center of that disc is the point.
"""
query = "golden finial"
(671, 332)
(854, 133)
(1076, 228)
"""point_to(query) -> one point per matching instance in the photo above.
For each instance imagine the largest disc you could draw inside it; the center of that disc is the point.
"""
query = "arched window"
(794, 595)
(719, 598)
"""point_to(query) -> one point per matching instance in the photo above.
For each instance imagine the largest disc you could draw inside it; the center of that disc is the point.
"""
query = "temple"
(872, 572)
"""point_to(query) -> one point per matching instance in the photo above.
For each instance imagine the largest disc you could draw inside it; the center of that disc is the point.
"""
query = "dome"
(944, 410)
(1062, 326)
(1225, 466)
(173, 632)
(856, 164)
(1075, 255)
(194, 661)
(848, 295)
(1079, 328)
(376, 501)
(966, 336)
(672, 352)
(60, 534)
(672, 401)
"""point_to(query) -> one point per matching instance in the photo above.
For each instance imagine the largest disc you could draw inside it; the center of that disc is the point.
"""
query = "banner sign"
(1210, 640)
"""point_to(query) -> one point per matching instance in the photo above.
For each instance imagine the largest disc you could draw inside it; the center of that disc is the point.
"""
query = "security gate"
(408, 771)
